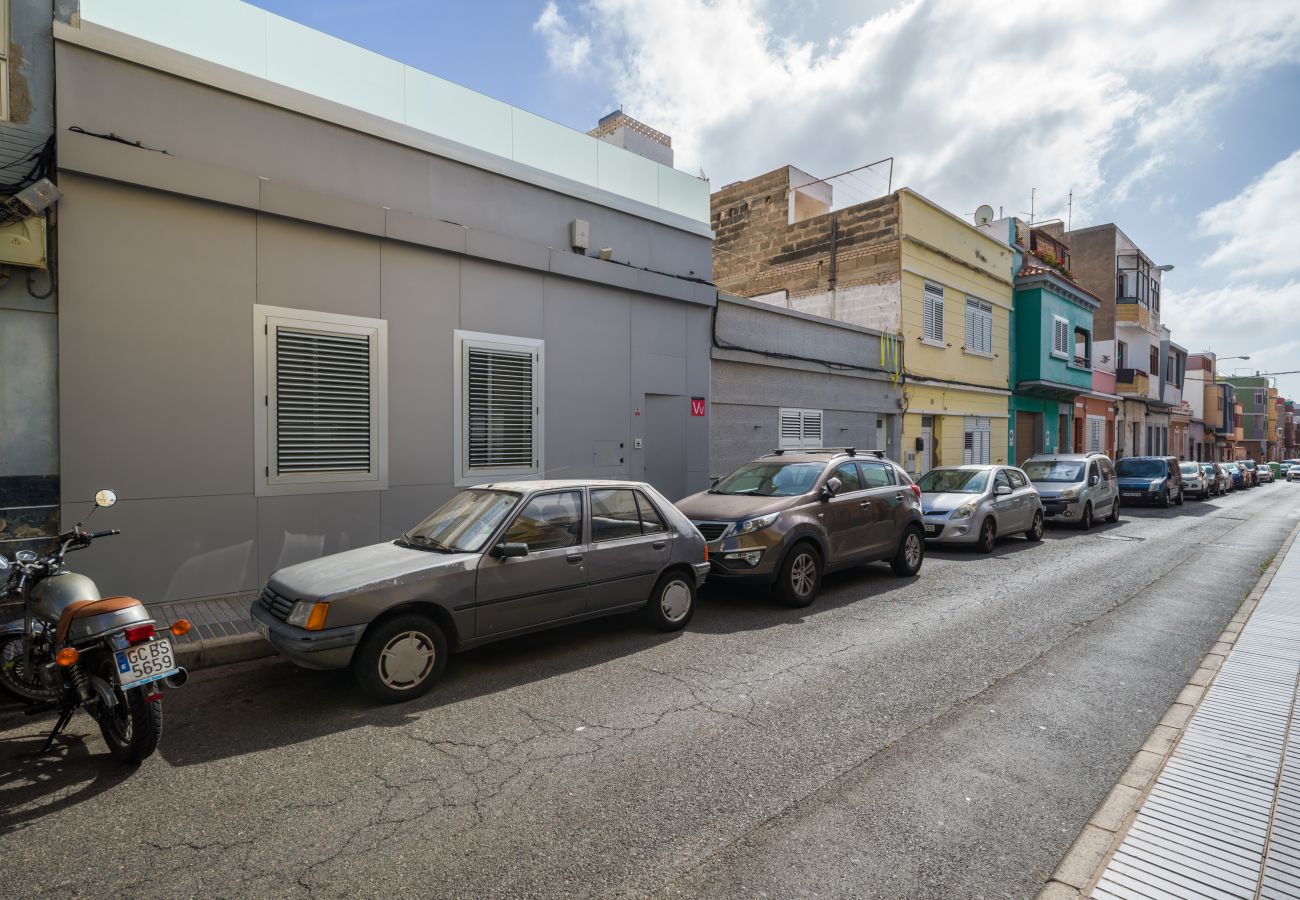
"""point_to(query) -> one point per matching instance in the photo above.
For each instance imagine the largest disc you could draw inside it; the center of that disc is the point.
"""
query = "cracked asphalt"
(945, 736)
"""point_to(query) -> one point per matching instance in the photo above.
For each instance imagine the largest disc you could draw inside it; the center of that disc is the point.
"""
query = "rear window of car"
(877, 474)
(1054, 471)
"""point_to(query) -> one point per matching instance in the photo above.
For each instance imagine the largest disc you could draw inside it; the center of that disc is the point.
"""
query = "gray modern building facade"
(784, 379)
(290, 325)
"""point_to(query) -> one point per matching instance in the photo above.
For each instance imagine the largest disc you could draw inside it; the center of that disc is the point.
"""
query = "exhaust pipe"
(177, 680)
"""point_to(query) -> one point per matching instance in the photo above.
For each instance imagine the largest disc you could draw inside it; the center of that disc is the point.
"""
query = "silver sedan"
(979, 504)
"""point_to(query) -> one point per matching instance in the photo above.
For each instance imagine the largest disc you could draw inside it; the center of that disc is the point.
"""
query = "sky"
(1179, 120)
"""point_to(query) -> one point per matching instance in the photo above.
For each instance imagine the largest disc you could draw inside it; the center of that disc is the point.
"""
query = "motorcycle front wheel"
(133, 727)
(14, 679)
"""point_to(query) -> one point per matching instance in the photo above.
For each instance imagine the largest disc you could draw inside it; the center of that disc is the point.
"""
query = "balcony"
(1128, 311)
(1132, 382)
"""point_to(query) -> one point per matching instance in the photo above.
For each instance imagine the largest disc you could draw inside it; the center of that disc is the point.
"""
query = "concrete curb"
(1083, 863)
(222, 651)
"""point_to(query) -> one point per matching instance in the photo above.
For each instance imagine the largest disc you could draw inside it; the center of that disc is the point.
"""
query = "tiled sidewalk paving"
(221, 631)
(1222, 819)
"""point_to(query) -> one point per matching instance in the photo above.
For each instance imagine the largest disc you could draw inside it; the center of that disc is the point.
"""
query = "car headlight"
(965, 511)
(308, 614)
(1155, 485)
(1071, 493)
(758, 523)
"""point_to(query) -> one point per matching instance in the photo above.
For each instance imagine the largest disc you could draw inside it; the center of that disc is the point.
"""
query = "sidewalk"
(1210, 807)
(222, 631)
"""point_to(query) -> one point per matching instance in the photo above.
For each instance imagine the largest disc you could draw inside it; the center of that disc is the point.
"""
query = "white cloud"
(979, 101)
(565, 49)
(1255, 227)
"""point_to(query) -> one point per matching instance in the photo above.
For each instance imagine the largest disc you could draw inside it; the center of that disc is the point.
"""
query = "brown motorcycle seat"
(80, 609)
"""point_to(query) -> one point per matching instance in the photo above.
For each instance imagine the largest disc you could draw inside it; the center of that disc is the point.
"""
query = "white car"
(1195, 481)
(1293, 473)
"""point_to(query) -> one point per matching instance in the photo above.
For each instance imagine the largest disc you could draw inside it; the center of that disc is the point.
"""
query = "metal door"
(665, 443)
(925, 456)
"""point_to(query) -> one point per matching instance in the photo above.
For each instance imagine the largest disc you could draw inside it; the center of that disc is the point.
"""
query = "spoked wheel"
(133, 727)
(910, 554)
(400, 659)
(1035, 532)
(1085, 518)
(801, 576)
(14, 677)
(988, 536)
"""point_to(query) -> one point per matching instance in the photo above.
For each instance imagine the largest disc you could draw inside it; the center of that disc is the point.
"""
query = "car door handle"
(659, 545)
(575, 559)
(865, 503)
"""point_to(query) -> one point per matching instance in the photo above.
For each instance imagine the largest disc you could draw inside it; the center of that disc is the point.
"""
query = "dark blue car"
(1150, 479)
(1236, 473)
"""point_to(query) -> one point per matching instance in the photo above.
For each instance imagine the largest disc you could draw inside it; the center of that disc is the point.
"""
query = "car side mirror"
(831, 487)
(509, 551)
(1001, 490)
(1095, 479)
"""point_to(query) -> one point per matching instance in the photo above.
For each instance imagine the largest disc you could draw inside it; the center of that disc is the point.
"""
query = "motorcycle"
(74, 648)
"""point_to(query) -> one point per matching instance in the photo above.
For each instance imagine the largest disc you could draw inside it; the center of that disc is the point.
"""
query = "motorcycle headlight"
(965, 511)
(308, 614)
(758, 523)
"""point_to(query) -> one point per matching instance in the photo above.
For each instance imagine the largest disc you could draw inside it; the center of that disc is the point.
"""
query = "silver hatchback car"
(492, 562)
(979, 504)
(1075, 487)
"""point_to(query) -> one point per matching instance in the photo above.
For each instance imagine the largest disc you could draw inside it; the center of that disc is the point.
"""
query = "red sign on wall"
(697, 406)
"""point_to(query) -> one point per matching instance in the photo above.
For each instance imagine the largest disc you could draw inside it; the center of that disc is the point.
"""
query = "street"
(945, 736)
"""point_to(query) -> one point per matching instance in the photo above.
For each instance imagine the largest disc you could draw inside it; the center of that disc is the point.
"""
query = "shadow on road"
(35, 786)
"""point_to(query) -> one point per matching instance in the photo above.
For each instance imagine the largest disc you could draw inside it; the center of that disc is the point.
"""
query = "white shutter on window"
(933, 312)
(500, 408)
(800, 429)
(1060, 336)
(812, 428)
(977, 442)
(324, 406)
(986, 318)
(972, 325)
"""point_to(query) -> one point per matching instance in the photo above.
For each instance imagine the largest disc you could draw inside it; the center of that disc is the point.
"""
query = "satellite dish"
(984, 214)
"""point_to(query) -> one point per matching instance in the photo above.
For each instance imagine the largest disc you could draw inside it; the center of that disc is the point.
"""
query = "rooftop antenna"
(1032, 195)
(1069, 214)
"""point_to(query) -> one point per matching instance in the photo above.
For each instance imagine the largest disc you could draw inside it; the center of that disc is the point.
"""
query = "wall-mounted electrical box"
(23, 243)
(579, 239)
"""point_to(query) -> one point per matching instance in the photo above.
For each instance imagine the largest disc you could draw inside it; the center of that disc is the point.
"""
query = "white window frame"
(463, 340)
(1060, 329)
(267, 484)
(979, 325)
(934, 306)
(803, 442)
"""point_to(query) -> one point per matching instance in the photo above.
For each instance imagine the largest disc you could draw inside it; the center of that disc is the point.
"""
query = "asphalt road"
(945, 736)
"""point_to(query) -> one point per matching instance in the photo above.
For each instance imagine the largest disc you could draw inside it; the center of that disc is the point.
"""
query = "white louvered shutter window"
(500, 407)
(321, 384)
(979, 326)
(801, 429)
(1060, 336)
(977, 441)
(1096, 432)
(933, 312)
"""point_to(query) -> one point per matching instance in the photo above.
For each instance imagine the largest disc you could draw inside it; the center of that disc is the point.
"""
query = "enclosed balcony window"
(1082, 348)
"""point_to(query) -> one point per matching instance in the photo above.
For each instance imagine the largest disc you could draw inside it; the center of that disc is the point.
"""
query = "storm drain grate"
(1223, 819)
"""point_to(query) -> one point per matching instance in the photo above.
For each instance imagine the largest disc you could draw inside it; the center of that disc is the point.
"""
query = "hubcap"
(1038, 525)
(912, 550)
(675, 601)
(803, 574)
(988, 534)
(406, 660)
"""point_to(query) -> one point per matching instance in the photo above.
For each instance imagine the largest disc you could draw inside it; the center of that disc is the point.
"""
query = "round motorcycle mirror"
(25, 556)
(4, 563)
(105, 498)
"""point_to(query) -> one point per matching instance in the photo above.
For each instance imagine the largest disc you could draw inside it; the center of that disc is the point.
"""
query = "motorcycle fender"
(104, 691)
(16, 627)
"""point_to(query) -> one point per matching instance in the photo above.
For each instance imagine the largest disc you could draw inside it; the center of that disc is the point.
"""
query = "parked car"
(492, 562)
(1195, 481)
(1217, 480)
(1150, 479)
(978, 504)
(1237, 472)
(1252, 476)
(1285, 467)
(1293, 473)
(787, 518)
(1264, 473)
(1075, 487)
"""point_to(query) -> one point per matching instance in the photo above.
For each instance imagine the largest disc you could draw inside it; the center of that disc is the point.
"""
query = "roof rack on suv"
(851, 451)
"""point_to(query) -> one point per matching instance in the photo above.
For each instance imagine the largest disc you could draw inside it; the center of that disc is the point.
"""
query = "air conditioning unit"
(22, 243)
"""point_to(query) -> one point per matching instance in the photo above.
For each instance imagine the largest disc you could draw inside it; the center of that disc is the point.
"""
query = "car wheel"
(1205, 494)
(1181, 498)
(1164, 499)
(910, 554)
(988, 536)
(1035, 532)
(672, 602)
(800, 577)
(400, 659)
(1114, 512)
(1085, 518)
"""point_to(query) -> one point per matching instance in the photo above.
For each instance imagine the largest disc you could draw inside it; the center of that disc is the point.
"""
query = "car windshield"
(463, 523)
(954, 481)
(771, 479)
(1133, 467)
(1053, 470)
(1190, 468)
(1249, 464)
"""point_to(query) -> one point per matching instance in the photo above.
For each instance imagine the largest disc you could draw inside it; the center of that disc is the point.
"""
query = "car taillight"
(916, 489)
(137, 633)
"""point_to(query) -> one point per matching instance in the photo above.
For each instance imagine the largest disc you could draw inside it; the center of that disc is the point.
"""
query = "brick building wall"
(1092, 253)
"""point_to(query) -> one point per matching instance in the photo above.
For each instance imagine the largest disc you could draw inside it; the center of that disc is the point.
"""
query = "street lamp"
(1222, 358)
(1165, 268)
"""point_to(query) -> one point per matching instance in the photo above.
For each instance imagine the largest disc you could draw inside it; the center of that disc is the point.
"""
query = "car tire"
(400, 658)
(800, 577)
(1085, 518)
(1114, 512)
(1163, 502)
(1205, 494)
(1035, 532)
(1181, 498)
(910, 553)
(672, 602)
(988, 535)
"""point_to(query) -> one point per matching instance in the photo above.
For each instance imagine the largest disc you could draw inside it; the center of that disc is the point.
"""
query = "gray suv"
(786, 518)
(1075, 487)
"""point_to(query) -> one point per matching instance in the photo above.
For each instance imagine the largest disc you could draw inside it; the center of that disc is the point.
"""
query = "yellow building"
(956, 306)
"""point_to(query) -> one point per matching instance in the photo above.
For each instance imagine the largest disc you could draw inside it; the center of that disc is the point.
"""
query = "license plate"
(146, 662)
(1132, 493)
(932, 529)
